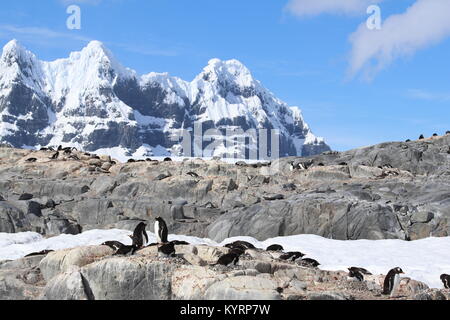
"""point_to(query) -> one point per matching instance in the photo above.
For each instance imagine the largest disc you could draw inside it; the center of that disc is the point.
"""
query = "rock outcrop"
(389, 191)
(92, 273)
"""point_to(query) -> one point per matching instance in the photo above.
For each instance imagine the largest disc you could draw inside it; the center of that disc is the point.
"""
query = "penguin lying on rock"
(291, 256)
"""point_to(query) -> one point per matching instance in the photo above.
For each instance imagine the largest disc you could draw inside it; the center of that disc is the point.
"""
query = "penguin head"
(398, 270)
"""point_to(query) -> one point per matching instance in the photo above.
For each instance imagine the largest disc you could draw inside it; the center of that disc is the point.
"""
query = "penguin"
(131, 161)
(161, 230)
(74, 157)
(54, 156)
(446, 280)
(167, 249)
(138, 236)
(40, 253)
(307, 262)
(193, 174)
(125, 250)
(31, 160)
(408, 140)
(421, 137)
(115, 245)
(392, 281)
(180, 243)
(360, 270)
(291, 256)
(25, 197)
(167, 160)
(352, 273)
(275, 247)
(60, 148)
(227, 259)
(435, 135)
(43, 149)
(240, 243)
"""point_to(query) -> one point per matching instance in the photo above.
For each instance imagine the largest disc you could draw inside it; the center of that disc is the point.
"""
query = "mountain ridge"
(92, 102)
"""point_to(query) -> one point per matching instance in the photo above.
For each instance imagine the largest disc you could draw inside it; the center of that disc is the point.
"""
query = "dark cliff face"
(105, 105)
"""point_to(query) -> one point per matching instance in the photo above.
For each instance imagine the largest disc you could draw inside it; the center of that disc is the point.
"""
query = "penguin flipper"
(146, 236)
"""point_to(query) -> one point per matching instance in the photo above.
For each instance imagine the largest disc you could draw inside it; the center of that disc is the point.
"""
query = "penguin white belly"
(158, 238)
(396, 285)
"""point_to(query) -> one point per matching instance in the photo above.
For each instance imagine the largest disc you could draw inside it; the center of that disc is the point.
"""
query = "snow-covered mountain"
(92, 102)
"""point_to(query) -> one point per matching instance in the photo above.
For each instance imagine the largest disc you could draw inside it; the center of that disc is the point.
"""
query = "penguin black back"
(139, 234)
(240, 243)
(291, 256)
(228, 258)
(167, 249)
(352, 273)
(115, 245)
(275, 247)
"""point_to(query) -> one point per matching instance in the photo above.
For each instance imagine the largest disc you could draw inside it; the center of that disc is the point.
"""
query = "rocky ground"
(92, 273)
(397, 190)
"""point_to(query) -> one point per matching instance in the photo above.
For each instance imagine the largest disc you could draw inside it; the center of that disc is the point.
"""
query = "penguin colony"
(237, 249)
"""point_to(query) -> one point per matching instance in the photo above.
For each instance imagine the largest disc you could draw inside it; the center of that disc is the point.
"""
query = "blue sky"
(299, 49)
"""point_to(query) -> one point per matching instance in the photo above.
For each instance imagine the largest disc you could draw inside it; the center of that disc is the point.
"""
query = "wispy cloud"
(69, 2)
(10, 30)
(304, 8)
(423, 24)
(48, 37)
(420, 94)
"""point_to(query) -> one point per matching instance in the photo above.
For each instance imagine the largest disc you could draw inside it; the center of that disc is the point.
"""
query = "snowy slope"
(90, 101)
(423, 260)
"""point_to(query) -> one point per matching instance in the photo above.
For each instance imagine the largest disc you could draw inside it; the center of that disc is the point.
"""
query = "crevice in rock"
(87, 288)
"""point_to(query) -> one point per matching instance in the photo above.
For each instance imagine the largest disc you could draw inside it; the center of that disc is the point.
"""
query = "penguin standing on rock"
(446, 280)
(161, 230)
(392, 281)
(138, 236)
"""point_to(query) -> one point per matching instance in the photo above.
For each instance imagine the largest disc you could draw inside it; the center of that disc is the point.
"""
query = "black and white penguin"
(307, 262)
(115, 245)
(291, 256)
(180, 243)
(167, 249)
(161, 231)
(352, 273)
(446, 280)
(275, 247)
(31, 160)
(54, 156)
(240, 244)
(125, 250)
(40, 253)
(421, 137)
(138, 236)
(229, 258)
(193, 174)
(392, 281)
(167, 160)
(361, 270)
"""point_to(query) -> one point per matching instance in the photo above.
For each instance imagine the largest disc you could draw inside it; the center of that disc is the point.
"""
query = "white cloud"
(425, 23)
(427, 95)
(316, 7)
